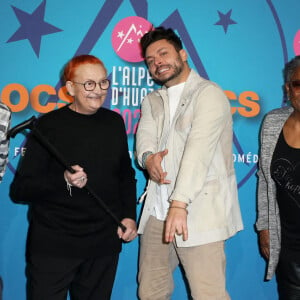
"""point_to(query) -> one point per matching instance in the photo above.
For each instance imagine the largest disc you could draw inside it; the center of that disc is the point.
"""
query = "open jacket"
(199, 162)
(268, 212)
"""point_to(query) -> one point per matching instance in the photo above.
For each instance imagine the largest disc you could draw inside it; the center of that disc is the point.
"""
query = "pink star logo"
(126, 38)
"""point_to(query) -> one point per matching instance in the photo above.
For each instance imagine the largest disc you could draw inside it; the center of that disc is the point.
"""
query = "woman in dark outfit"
(278, 220)
(73, 244)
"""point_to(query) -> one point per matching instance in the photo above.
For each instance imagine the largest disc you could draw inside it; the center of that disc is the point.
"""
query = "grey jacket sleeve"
(5, 116)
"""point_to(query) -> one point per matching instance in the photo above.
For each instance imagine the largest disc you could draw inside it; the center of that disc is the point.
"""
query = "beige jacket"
(199, 162)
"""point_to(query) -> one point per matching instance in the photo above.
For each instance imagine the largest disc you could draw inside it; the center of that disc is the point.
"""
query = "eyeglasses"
(90, 85)
(295, 84)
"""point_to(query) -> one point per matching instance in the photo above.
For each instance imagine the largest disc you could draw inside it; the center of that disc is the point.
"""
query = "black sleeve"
(127, 179)
(37, 173)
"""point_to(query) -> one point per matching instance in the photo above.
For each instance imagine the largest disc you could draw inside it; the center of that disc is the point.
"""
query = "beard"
(177, 68)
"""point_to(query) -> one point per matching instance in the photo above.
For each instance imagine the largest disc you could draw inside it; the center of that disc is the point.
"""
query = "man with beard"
(184, 141)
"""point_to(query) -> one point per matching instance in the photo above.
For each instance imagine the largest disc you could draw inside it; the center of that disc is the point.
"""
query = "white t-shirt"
(162, 203)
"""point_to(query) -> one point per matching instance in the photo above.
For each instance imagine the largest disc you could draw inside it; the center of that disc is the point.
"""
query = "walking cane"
(29, 124)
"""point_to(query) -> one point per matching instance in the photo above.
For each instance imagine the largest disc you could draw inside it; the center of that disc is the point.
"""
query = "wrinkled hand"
(176, 221)
(78, 179)
(153, 165)
(131, 231)
(264, 243)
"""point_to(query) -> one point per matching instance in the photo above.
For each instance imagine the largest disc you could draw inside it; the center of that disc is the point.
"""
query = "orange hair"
(77, 61)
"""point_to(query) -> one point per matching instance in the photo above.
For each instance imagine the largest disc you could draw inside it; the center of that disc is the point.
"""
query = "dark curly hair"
(290, 68)
(160, 33)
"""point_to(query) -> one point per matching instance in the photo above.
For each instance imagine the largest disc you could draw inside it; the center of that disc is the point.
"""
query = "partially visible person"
(73, 244)
(184, 141)
(5, 116)
(278, 222)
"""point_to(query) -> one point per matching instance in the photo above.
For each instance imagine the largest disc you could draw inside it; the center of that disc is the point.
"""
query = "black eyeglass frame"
(94, 84)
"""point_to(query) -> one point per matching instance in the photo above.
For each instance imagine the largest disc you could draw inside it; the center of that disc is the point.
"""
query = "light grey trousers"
(204, 266)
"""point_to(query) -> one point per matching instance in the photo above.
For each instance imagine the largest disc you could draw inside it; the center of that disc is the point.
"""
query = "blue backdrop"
(242, 45)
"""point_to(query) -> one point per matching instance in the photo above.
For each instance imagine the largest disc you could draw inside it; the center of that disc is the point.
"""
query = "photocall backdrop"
(241, 45)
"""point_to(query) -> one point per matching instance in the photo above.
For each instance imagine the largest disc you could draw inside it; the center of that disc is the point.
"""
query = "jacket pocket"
(209, 211)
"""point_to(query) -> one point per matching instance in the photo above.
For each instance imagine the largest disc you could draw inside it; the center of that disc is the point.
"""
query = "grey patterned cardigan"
(268, 211)
(5, 115)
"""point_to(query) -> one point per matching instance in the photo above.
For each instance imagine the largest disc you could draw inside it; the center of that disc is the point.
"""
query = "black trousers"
(288, 275)
(51, 278)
